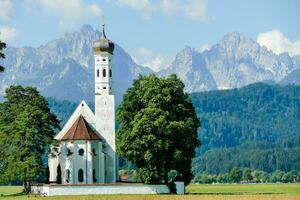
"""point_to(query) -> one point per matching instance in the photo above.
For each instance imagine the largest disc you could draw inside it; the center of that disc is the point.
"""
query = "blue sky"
(153, 31)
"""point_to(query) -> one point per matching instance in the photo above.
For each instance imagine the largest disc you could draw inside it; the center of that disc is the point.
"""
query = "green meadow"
(201, 192)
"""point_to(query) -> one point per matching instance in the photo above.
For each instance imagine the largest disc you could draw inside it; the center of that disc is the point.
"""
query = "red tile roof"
(81, 130)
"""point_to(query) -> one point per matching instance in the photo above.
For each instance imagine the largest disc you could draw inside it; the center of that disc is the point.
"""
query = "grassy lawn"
(244, 189)
(195, 192)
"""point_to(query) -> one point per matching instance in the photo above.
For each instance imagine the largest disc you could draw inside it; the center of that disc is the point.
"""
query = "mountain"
(190, 67)
(64, 68)
(257, 126)
(235, 61)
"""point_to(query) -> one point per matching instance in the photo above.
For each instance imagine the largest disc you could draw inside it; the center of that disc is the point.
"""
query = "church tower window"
(81, 152)
(110, 73)
(104, 73)
(98, 73)
(80, 175)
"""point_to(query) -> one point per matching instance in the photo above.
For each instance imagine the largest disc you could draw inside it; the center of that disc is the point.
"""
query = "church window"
(80, 175)
(103, 59)
(104, 73)
(109, 60)
(81, 152)
(98, 73)
(94, 176)
(110, 73)
(94, 152)
(69, 152)
(104, 88)
(68, 174)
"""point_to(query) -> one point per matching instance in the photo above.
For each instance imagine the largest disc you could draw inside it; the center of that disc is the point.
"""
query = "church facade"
(86, 151)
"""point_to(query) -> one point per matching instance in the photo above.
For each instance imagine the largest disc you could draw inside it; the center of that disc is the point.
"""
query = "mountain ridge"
(233, 62)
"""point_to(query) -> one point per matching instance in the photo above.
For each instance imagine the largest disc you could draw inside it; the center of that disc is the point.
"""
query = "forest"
(255, 127)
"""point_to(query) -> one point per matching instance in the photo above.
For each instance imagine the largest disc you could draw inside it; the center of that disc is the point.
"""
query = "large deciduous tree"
(2, 55)
(158, 128)
(27, 128)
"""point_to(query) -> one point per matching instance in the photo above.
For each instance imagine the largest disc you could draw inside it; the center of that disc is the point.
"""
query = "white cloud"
(6, 9)
(8, 34)
(274, 40)
(146, 57)
(69, 13)
(190, 9)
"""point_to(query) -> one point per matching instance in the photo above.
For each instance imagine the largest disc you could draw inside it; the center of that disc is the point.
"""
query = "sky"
(153, 31)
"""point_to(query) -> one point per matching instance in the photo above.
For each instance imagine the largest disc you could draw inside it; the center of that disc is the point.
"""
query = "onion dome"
(104, 44)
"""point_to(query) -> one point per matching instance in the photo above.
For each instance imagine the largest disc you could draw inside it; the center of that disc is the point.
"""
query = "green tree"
(236, 175)
(260, 176)
(247, 175)
(158, 128)
(2, 46)
(27, 128)
(287, 177)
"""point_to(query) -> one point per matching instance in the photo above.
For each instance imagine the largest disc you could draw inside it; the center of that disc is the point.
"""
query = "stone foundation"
(55, 190)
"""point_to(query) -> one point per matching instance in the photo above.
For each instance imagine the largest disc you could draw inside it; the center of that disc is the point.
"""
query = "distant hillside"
(257, 126)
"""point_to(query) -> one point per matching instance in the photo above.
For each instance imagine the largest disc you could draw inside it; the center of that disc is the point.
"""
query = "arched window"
(104, 73)
(94, 176)
(68, 174)
(110, 73)
(81, 152)
(98, 73)
(80, 175)
(69, 152)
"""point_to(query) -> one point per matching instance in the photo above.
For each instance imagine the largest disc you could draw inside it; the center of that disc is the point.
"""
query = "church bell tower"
(105, 102)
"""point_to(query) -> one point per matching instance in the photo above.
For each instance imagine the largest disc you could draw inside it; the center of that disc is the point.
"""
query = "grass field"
(195, 192)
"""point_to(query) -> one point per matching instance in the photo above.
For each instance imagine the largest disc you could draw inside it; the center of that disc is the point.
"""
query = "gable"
(82, 109)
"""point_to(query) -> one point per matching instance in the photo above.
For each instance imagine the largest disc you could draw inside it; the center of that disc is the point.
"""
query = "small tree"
(247, 175)
(26, 131)
(158, 128)
(236, 175)
(2, 46)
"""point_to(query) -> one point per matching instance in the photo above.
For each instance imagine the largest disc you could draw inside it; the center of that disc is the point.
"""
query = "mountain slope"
(292, 78)
(190, 67)
(64, 68)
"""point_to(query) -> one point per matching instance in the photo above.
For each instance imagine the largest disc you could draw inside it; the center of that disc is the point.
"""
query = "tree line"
(246, 175)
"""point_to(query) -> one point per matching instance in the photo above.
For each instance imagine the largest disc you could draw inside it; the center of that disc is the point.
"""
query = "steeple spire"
(103, 31)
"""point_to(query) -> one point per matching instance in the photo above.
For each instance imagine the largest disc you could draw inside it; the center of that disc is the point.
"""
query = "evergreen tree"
(158, 128)
(2, 46)
(27, 128)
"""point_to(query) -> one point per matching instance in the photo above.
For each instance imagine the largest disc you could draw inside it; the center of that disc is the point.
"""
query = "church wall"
(74, 162)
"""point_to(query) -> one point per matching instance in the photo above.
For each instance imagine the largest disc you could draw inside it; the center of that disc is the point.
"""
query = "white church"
(87, 150)
(86, 153)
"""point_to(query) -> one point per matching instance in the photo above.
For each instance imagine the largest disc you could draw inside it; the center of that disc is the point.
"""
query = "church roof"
(81, 130)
